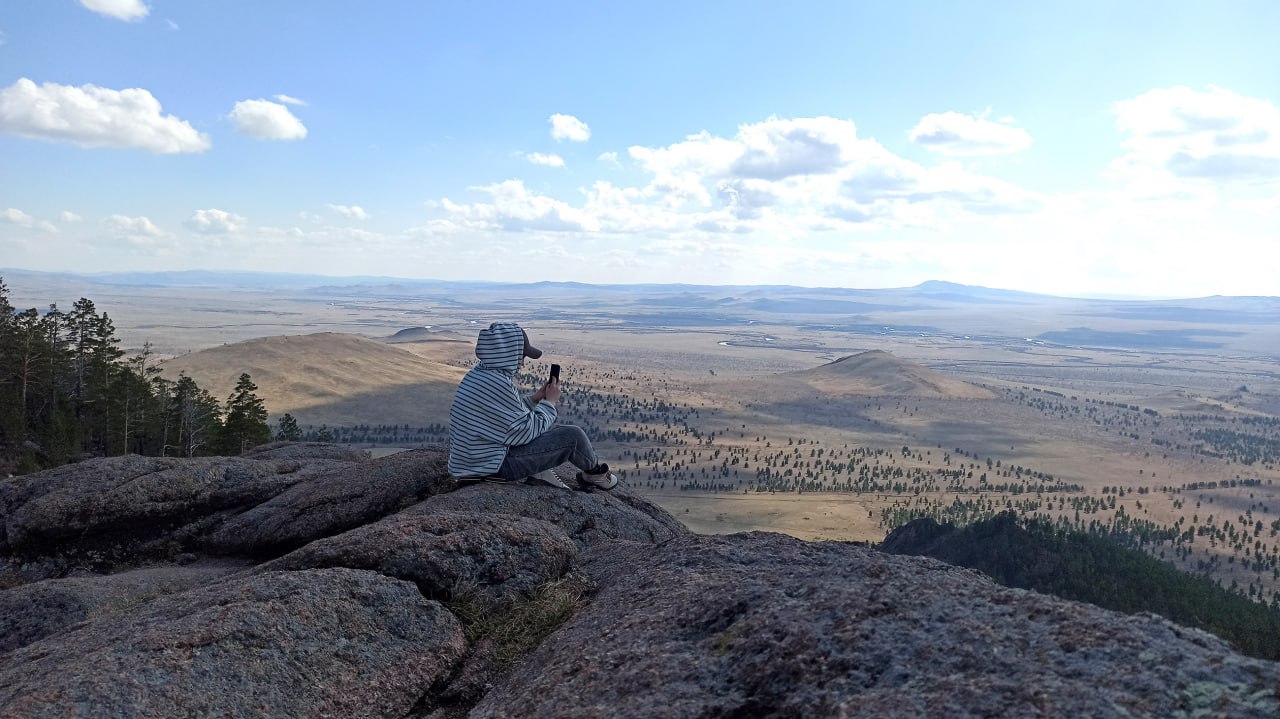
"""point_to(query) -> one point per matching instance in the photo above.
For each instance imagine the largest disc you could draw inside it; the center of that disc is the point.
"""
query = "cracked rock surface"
(326, 642)
(764, 625)
(341, 598)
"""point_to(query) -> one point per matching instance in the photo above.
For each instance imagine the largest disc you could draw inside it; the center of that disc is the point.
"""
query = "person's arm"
(532, 422)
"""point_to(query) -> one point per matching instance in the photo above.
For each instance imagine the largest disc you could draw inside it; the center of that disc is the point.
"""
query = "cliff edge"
(306, 581)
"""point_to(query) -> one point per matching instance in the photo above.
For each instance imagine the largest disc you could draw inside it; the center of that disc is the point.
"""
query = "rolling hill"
(879, 374)
(328, 378)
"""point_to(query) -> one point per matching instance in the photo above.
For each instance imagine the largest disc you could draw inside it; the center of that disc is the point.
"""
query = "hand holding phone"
(551, 391)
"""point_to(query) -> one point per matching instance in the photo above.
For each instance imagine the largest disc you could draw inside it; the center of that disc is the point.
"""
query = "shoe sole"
(558, 483)
(589, 485)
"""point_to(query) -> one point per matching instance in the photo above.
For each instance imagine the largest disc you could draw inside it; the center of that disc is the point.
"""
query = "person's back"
(494, 433)
(488, 414)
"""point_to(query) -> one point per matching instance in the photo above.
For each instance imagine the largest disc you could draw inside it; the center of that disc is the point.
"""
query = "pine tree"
(103, 376)
(138, 409)
(12, 413)
(246, 419)
(287, 429)
(195, 418)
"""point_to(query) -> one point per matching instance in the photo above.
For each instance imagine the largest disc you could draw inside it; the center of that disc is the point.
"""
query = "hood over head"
(502, 344)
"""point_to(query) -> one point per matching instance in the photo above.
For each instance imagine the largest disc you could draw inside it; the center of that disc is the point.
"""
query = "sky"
(1083, 148)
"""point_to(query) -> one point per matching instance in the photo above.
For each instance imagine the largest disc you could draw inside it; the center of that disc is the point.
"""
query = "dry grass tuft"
(517, 627)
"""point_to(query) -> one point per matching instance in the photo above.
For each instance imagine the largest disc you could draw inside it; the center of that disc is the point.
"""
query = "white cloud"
(338, 239)
(958, 135)
(1214, 135)
(800, 156)
(172, 25)
(119, 9)
(94, 116)
(21, 219)
(215, 222)
(808, 165)
(515, 209)
(777, 149)
(609, 158)
(136, 230)
(568, 127)
(288, 100)
(69, 216)
(266, 120)
(783, 179)
(354, 212)
(538, 158)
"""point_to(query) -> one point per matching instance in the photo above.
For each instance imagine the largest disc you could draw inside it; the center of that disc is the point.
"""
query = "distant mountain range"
(933, 308)
(359, 284)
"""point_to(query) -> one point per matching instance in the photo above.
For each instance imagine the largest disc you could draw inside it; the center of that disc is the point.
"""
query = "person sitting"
(495, 434)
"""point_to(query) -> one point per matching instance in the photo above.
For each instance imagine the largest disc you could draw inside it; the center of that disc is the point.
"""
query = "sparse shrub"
(517, 627)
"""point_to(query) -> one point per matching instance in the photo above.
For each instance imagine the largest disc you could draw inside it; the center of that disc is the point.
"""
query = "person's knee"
(579, 436)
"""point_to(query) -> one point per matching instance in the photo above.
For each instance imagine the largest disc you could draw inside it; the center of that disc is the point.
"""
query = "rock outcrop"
(332, 642)
(344, 498)
(587, 517)
(40, 609)
(380, 588)
(138, 506)
(501, 556)
(764, 625)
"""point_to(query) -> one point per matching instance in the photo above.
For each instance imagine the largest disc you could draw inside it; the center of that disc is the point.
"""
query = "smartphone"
(555, 373)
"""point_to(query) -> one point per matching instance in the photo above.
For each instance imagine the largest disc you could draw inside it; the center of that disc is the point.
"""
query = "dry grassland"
(722, 421)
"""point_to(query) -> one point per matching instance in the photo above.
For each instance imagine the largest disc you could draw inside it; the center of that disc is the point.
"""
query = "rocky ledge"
(307, 581)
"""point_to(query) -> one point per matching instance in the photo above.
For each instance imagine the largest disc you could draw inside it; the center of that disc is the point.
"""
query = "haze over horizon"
(226, 277)
(1082, 149)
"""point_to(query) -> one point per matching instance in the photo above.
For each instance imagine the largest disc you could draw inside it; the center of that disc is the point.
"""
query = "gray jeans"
(560, 444)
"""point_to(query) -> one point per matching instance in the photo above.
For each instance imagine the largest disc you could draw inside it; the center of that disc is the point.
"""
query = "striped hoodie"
(488, 413)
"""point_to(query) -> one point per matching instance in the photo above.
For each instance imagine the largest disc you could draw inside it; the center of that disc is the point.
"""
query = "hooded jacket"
(488, 413)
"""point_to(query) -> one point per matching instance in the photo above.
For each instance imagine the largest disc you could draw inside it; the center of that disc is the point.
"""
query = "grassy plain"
(716, 402)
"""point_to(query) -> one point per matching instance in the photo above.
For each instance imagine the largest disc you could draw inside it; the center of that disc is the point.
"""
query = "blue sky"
(1087, 148)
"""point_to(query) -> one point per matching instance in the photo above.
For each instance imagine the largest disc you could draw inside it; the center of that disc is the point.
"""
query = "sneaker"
(602, 478)
(547, 476)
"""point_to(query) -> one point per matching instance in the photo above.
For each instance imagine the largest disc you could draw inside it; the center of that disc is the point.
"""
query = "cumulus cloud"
(288, 100)
(609, 158)
(958, 135)
(777, 149)
(17, 217)
(1199, 135)
(354, 212)
(266, 120)
(515, 209)
(136, 230)
(798, 156)
(94, 116)
(119, 9)
(781, 178)
(215, 222)
(746, 198)
(568, 127)
(69, 216)
(538, 158)
(808, 165)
